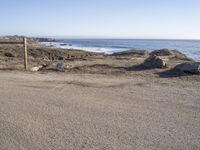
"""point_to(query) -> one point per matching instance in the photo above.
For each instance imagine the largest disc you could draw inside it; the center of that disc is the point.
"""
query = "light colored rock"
(69, 66)
(193, 67)
(35, 69)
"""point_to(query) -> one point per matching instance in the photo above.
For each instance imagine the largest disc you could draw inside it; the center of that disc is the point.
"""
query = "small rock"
(155, 62)
(69, 66)
(35, 69)
(193, 67)
(60, 66)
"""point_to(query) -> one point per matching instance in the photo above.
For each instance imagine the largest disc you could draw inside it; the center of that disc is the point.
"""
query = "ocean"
(189, 47)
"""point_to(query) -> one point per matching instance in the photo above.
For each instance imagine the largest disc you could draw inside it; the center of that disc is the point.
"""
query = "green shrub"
(8, 54)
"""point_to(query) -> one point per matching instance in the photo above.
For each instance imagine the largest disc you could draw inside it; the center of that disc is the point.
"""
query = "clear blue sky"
(101, 18)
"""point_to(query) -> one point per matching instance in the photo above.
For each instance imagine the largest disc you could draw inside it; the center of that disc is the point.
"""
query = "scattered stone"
(60, 66)
(192, 67)
(63, 44)
(69, 66)
(155, 62)
(35, 69)
(44, 39)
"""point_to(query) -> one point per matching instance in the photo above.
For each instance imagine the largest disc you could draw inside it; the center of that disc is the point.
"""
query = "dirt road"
(65, 111)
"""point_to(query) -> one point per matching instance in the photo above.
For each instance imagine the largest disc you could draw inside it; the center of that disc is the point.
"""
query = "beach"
(90, 111)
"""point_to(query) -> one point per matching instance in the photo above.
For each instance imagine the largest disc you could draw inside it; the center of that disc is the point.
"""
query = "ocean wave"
(90, 49)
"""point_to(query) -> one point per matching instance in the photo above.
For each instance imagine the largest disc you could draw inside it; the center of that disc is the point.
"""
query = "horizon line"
(104, 37)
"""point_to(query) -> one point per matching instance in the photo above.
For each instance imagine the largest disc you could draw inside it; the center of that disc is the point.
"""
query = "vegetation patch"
(8, 54)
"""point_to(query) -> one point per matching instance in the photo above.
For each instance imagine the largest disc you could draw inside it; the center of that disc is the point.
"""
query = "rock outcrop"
(193, 67)
(181, 56)
(171, 54)
(161, 52)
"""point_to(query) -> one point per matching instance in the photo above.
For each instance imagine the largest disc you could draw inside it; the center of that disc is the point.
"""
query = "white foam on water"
(90, 49)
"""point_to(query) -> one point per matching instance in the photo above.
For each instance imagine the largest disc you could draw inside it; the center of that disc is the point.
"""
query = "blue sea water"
(189, 47)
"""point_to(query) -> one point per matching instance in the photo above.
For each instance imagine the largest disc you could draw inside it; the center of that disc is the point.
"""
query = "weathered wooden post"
(25, 54)
(25, 49)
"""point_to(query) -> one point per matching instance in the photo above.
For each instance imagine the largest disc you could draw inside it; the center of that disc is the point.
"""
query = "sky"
(170, 19)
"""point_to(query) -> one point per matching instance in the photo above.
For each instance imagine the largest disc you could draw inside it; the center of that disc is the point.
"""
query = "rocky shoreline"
(41, 58)
(98, 101)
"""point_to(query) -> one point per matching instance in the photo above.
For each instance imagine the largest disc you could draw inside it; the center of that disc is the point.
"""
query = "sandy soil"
(57, 111)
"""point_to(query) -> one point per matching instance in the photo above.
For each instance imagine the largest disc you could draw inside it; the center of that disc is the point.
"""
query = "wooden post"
(25, 54)
(25, 50)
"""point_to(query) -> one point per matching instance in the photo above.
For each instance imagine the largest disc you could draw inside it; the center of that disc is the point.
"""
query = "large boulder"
(161, 52)
(170, 54)
(192, 67)
(155, 62)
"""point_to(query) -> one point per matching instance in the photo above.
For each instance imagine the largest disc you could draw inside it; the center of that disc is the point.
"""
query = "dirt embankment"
(11, 56)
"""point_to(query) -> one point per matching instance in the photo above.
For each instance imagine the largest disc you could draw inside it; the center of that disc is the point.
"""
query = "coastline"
(100, 75)
(74, 60)
(80, 99)
(108, 46)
